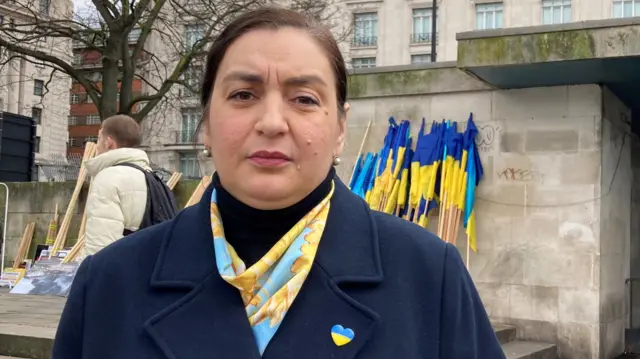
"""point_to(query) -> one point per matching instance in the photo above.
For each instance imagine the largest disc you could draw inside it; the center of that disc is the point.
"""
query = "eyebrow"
(257, 79)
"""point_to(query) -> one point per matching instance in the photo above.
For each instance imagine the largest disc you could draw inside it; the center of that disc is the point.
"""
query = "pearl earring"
(336, 161)
(206, 152)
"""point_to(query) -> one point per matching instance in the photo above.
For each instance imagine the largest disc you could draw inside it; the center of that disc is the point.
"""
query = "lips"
(269, 159)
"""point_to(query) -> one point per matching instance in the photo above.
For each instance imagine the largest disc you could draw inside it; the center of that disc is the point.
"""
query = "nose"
(272, 121)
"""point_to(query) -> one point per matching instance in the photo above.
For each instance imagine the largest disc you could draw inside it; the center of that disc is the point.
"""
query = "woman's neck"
(252, 232)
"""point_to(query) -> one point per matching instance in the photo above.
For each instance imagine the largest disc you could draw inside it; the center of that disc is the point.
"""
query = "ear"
(342, 123)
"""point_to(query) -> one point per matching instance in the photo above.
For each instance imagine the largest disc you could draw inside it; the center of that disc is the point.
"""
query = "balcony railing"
(423, 38)
(187, 137)
(364, 41)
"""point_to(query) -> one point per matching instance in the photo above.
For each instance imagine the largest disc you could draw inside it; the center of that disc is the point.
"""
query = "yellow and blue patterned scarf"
(269, 287)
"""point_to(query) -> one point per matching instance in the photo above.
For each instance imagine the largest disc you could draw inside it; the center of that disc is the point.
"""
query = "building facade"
(84, 117)
(399, 32)
(28, 86)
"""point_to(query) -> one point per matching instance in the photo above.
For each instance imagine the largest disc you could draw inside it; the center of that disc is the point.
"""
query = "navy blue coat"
(157, 294)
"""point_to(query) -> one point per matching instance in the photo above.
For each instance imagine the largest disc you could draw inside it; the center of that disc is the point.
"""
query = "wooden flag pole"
(468, 250)
(364, 140)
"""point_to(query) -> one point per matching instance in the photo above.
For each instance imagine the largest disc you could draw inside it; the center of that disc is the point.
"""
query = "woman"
(279, 259)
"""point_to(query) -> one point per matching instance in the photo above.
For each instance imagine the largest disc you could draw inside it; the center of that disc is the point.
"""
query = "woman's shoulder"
(399, 238)
(141, 248)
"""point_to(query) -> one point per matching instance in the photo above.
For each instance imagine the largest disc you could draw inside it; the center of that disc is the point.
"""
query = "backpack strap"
(160, 200)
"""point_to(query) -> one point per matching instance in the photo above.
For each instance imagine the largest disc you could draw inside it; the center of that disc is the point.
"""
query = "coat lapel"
(210, 321)
(348, 254)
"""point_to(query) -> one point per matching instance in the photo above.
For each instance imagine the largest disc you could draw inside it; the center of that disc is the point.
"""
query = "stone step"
(26, 341)
(529, 350)
(505, 333)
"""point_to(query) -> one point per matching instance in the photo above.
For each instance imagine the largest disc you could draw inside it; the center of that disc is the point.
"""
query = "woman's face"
(273, 125)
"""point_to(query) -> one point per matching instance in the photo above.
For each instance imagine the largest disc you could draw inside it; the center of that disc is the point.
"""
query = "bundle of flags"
(442, 172)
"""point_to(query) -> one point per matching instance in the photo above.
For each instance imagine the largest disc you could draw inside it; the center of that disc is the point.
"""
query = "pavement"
(28, 319)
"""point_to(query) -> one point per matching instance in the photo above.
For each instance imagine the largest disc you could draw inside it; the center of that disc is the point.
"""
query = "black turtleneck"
(252, 232)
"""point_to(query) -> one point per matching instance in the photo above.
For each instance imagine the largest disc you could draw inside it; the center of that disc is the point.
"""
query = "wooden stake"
(25, 244)
(197, 193)
(364, 140)
(89, 152)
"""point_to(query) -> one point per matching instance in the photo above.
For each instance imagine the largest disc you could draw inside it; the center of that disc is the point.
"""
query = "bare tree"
(160, 43)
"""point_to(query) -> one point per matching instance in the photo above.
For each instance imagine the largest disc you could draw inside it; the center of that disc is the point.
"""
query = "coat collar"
(348, 251)
(210, 320)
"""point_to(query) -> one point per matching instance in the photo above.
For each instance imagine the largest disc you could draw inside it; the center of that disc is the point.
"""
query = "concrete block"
(578, 237)
(578, 340)
(584, 100)
(520, 168)
(578, 305)
(612, 289)
(490, 135)
(590, 134)
(534, 303)
(552, 140)
(495, 298)
(612, 338)
(506, 200)
(493, 232)
(512, 142)
(580, 168)
(404, 108)
(499, 265)
(539, 232)
(546, 266)
(525, 103)
(457, 107)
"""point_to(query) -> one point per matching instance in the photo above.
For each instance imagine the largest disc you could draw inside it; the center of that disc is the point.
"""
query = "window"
(36, 145)
(38, 87)
(90, 139)
(44, 7)
(626, 8)
(489, 16)
(421, 59)
(556, 11)
(36, 114)
(365, 30)
(88, 98)
(189, 165)
(192, 77)
(72, 120)
(93, 120)
(75, 98)
(193, 34)
(363, 62)
(190, 118)
(134, 35)
(422, 25)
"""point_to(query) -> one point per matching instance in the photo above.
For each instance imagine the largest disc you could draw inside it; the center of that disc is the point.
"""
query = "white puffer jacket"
(117, 198)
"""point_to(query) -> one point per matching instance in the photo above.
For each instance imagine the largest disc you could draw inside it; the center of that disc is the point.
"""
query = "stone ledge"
(406, 80)
(530, 45)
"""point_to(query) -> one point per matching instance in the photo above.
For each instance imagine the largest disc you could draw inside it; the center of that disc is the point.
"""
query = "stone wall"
(36, 202)
(615, 223)
(549, 155)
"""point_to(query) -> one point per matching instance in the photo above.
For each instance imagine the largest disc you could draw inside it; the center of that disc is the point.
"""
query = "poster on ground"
(47, 277)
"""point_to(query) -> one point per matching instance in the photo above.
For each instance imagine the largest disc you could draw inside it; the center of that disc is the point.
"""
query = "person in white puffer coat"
(118, 194)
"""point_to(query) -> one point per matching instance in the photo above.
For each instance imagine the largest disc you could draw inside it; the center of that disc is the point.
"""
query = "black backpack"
(161, 204)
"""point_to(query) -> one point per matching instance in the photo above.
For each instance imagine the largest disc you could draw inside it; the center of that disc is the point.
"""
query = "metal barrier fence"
(58, 167)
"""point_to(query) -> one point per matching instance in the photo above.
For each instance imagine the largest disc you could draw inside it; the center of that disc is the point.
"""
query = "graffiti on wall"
(520, 174)
(486, 140)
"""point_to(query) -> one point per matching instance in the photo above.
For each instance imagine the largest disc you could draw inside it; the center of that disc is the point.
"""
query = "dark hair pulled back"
(274, 18)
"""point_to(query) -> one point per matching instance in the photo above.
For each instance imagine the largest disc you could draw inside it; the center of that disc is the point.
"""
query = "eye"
(306, 101)
(242, 96)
